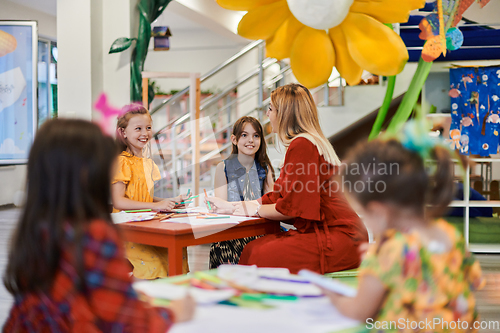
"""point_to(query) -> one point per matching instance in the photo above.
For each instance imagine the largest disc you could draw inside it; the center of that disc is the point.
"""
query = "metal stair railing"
(176, 139)
(212, 72)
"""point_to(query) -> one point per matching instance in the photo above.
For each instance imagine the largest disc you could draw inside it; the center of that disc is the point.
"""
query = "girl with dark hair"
(66, 266)
(419, 269)
(133, 188)
(305, 194)
(246, 175)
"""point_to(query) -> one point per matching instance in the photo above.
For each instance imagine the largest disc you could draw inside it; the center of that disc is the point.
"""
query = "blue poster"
(18, 43)
(475, 110)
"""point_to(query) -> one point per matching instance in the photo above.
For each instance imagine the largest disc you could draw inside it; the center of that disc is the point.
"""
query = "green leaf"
(121, 44)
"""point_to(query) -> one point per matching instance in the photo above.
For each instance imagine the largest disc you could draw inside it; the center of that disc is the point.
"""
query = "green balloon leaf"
(121, 44)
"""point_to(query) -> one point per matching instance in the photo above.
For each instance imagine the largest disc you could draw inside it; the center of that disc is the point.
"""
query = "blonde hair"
(130, 111)
(297, 116)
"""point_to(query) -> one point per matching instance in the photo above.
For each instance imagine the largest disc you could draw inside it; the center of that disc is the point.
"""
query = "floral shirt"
(109, 303)
(426, 285)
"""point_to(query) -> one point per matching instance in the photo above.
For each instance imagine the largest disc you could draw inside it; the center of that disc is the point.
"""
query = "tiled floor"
(488, 300)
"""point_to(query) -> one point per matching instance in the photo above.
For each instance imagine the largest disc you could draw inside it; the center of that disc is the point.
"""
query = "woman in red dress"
(306, 195)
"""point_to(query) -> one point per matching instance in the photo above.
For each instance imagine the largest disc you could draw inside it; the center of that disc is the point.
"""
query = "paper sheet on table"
(221, 224)
(314, 315)
(174, 292)
(269, 280)
(225, 219)
(122, 217)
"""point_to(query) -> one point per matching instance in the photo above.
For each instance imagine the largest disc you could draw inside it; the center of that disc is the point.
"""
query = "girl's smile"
(249, 141)
(138, 132)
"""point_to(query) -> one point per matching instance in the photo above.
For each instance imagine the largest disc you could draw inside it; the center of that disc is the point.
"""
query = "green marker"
(137, 210)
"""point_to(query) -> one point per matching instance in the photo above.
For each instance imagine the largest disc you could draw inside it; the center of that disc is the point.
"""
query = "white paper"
(174, 292)
(269, 280)
(12, 83)
(192, 220)
(328, 283)
(123, 217)
(314, 315)
(161, 290)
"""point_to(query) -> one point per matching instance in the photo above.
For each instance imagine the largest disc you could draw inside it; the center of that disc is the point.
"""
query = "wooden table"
(176, 236)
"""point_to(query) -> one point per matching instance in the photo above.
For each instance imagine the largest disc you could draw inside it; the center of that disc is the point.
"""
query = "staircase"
(249, 95)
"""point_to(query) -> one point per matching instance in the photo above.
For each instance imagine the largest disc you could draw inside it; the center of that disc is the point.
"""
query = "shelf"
(475, 203)
(484, 248)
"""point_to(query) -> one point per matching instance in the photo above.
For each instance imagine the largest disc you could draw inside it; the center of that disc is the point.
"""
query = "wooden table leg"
(174, 260)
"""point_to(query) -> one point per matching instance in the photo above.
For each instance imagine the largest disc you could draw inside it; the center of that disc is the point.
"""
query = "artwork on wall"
(475, 110)
(18, 105)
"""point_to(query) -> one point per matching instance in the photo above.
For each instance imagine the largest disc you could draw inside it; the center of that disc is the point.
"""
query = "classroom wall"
(197, 50)
(12, 178)
(47, 24)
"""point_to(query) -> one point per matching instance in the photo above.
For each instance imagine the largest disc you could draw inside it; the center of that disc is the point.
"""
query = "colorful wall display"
(475, 110)
(18, 105)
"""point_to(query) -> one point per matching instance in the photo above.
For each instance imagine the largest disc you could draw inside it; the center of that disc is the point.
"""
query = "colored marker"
(262, 297)
(209, 277)
(208, 202)
(137, 210)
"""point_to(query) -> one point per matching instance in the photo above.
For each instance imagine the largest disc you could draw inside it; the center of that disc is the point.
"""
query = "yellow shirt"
(138, 174)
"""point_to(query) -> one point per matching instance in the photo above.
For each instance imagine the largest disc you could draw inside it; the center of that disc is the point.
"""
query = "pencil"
(167, 216)
(137, 210)
(208, 202)
(189, 190)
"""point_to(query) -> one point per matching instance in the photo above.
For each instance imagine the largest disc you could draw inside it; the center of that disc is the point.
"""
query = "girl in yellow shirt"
(133, 188)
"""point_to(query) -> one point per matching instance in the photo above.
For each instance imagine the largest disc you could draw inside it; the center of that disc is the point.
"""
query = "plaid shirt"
(109, 304)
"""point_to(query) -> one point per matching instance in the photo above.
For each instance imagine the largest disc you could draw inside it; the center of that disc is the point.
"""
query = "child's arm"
(248, 208)
(269, 184)
(120, 202)
(111, 298)
(220, 182)
(366, 304)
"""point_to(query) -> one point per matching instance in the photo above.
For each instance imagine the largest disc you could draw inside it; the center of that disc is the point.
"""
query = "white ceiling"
(176, 22)
(173, 20)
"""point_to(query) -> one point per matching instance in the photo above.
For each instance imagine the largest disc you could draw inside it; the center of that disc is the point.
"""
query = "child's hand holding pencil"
(220, 206)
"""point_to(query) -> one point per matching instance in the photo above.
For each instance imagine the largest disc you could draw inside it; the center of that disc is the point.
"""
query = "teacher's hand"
(220, 206)
(246, 208)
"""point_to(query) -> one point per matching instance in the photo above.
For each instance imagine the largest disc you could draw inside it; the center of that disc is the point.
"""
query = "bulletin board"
(475, 109)
(18, 84)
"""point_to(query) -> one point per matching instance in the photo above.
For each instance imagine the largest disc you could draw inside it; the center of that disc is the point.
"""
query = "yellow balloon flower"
(318, 35)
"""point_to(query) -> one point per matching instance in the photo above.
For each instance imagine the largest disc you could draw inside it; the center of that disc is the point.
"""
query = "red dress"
(109, 303)
(328, 230)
